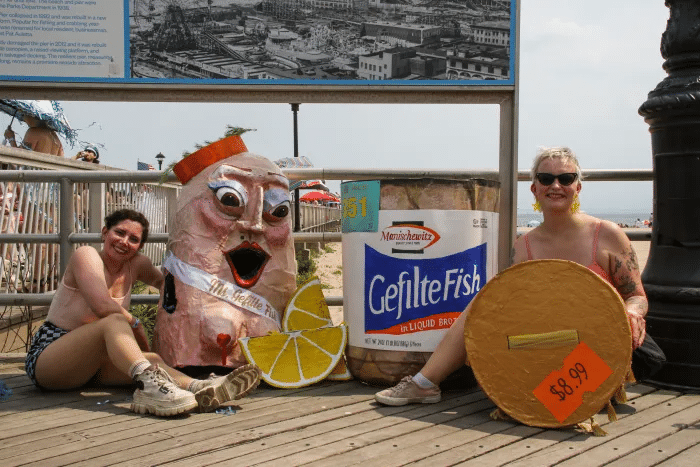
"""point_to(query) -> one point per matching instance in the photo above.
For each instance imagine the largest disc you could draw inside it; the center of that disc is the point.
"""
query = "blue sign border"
(302, 83)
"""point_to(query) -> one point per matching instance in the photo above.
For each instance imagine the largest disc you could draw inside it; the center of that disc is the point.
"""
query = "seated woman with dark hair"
(89, 334)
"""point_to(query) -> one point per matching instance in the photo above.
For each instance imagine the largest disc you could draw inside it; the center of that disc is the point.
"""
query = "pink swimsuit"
(594, 266)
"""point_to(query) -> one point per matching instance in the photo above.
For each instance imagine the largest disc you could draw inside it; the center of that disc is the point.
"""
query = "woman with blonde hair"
(565, 233)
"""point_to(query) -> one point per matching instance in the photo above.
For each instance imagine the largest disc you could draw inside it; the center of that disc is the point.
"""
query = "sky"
(585, 68)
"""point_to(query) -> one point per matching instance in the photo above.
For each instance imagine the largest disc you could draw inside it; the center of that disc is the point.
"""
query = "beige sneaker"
(159, 395)
(235, 385)
(408, 392)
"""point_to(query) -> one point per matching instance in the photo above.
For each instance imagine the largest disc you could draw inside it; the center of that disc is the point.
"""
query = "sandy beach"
(330, 266)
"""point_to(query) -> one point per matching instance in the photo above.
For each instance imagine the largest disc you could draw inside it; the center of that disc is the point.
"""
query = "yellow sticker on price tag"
(562, 390)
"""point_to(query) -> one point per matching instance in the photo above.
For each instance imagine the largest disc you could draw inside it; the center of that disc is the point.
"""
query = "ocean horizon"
(625, 218)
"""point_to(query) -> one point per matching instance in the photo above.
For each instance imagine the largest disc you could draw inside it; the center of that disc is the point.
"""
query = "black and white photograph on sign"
(458, 42)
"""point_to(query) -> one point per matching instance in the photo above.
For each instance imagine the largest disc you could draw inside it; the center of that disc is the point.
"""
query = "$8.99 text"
(563, 387)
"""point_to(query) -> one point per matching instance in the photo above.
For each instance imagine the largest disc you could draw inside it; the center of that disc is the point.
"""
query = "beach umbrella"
(312, 185)
(302, 162)
(318, 196)
(49, 112)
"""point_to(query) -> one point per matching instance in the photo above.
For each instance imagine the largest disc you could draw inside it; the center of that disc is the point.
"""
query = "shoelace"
(160, 377)
(403, 383)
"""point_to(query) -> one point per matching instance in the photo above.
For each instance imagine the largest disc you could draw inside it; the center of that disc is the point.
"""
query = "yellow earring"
(537, 207)
(576, 205)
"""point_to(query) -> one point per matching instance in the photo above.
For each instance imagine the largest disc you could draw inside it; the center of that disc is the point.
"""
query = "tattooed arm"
(626, 277)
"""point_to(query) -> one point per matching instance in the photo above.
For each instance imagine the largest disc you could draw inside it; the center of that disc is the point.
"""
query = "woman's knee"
(154, 358)
(114, 319)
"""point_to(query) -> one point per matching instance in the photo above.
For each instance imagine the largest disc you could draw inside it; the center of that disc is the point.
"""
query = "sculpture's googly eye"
(230, 197)
(231, 193)
(276, 204)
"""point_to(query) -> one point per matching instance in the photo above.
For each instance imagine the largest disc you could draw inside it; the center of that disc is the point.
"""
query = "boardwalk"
(331, 424)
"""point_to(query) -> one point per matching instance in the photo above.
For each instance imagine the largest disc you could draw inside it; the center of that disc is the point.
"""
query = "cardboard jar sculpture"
(230, 268)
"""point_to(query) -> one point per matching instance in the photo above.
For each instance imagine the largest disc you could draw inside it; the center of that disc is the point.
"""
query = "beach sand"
(329, 268)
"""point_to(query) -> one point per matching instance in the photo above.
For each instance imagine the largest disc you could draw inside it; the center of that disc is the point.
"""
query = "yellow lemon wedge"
(307, 309)
(295, 359)
(341, 372)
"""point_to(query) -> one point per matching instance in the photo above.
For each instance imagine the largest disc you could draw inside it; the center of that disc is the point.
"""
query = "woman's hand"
(639, 330)
(141, 338)
(10, 136)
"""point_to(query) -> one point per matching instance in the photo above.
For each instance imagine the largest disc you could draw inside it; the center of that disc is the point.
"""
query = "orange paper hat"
(199, 160)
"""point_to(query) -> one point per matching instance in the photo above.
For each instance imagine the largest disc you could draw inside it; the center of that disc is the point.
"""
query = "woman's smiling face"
(123, 239)
(555, 196)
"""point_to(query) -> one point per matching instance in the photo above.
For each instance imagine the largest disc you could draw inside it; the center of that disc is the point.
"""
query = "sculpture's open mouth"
(247, 262)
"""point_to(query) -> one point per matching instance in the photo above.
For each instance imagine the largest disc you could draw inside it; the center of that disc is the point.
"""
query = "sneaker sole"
(161, 409)
(397, 401)
(239, 383)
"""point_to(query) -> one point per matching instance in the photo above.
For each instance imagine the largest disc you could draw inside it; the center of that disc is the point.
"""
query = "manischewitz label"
(409, 237)
(403, 296)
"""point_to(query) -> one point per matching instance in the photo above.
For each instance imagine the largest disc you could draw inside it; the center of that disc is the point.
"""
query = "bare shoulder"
(145, 271)
(141, 262)
(612, 236)
(84, 264)
(85, 254)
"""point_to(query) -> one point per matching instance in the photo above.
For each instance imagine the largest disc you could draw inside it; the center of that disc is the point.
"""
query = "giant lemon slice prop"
(307, 309)
(295, 359)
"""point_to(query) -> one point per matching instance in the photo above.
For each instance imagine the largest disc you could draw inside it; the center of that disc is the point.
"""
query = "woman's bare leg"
(106, 345)
(110, 375)
(450, 354)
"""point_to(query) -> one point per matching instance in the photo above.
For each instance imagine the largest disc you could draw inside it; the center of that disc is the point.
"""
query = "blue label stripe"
(399, 290)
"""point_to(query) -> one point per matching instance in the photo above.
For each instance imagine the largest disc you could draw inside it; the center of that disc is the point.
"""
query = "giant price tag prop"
(549, 342)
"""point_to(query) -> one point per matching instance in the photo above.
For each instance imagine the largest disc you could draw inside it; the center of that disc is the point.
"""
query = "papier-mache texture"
(231, 267)
(415, 253)
(549, 342)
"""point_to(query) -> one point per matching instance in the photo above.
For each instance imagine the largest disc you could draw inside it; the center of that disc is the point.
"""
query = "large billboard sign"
(259, 42)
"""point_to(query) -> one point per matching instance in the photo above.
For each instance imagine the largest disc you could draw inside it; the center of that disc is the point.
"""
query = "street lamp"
(160, 158)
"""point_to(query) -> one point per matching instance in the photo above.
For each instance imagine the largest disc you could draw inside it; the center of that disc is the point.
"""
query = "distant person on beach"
(565, 233)
(38, 138)
(89, 335)
(89, 154)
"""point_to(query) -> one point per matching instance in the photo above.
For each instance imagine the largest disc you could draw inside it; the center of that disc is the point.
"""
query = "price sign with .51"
(360, 206)
(562, 390)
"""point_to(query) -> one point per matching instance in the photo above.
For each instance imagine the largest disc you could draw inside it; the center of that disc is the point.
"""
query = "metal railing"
(47, 213)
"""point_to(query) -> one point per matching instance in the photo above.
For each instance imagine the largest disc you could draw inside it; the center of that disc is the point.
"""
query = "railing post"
(297, 214)
(171, 200)
(66, 223)
(671, 277)
(96, 206)
(508, 177)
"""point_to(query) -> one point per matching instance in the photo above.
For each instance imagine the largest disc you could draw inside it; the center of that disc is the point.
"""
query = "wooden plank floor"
(331, 424)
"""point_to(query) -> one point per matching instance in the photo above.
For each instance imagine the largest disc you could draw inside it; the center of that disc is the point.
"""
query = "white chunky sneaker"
(235, 385)
(159, 395)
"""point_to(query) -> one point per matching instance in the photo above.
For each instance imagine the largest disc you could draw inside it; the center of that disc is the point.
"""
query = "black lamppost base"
(672, 274)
